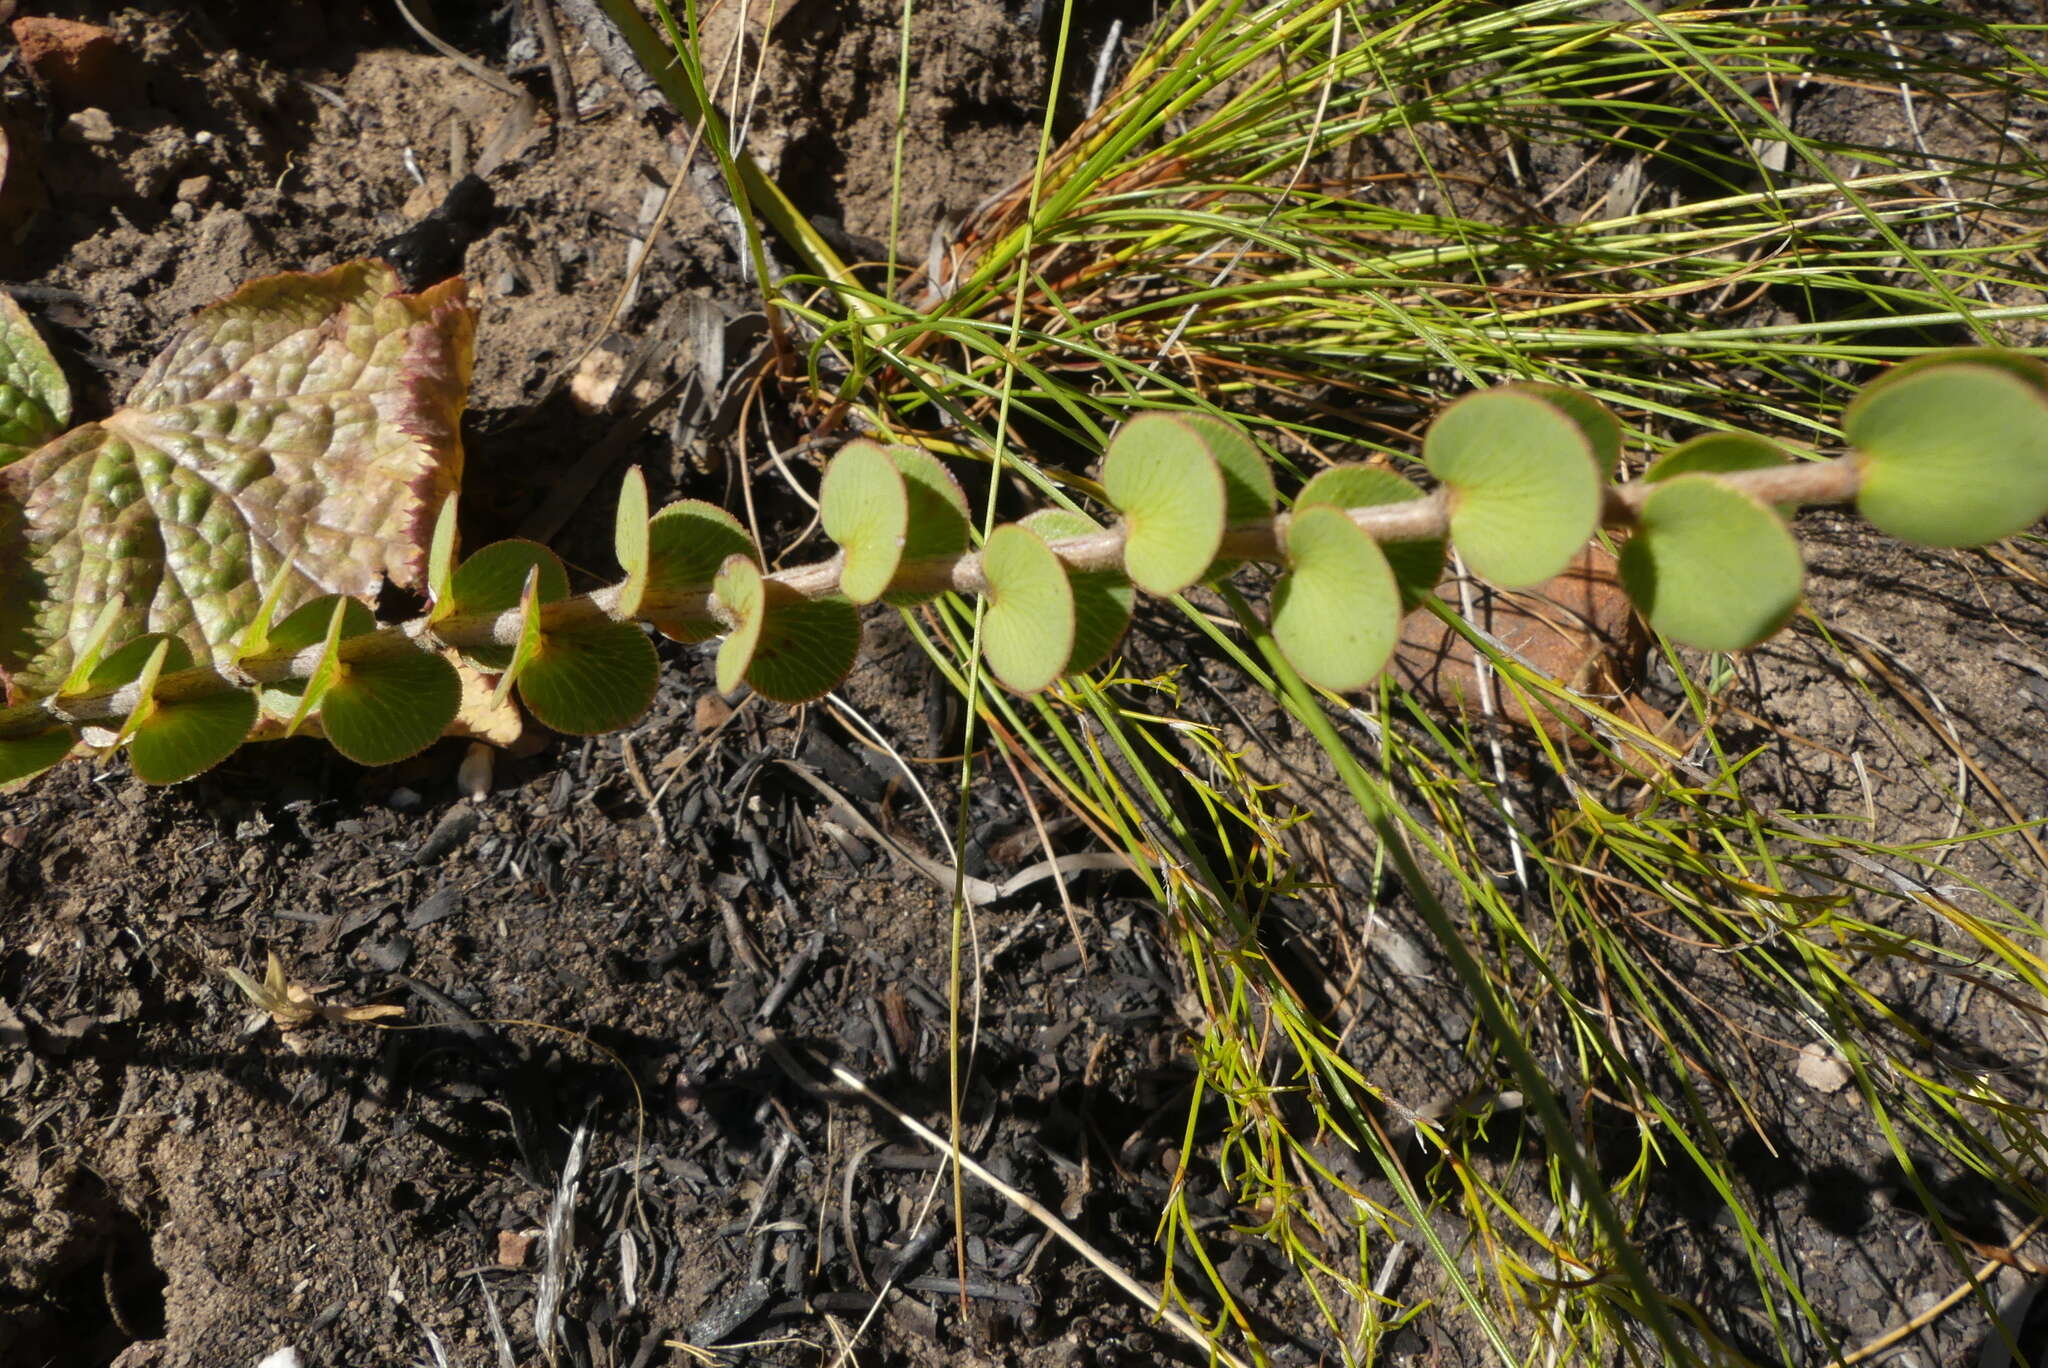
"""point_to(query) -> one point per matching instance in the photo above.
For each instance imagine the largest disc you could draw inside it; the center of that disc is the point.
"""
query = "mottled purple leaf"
(35, 403)
(309, 420)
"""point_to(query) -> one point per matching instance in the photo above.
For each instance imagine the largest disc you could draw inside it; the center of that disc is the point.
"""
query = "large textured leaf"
(305, 419)
(35, 403)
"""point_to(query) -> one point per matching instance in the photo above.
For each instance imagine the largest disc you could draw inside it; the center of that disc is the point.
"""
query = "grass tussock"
(1325, 220)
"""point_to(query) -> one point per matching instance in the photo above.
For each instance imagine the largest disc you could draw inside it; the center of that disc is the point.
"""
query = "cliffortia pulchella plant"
(262, 629)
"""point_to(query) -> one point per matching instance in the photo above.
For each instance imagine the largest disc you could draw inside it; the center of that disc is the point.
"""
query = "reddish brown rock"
(82, 64)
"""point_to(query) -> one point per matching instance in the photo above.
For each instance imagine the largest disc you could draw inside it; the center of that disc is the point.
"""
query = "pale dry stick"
(543, 14)
(1936, 722)
(744, 124)
(639, 778)
(917, 786)
(1988, 1269)
(1045, 843)
(1482, 676)
(675, 767)
(455, 55)
(1830, 480)
(1959, 813)
(924, 1211)
(496, 1323)
(1911, 107)
(1146, 1296)
(1103, 62)
(976, 891)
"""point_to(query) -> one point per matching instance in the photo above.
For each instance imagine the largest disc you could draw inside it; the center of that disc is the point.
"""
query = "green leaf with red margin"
(1028, 630)
(24, 757)
(309, 419)
(1102, 598)
(687, 542)
(789, 648)
(593, 678)
(385, 708)
(494, 581)
(190, 736)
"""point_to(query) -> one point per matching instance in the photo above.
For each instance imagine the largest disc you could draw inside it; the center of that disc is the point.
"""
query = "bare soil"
(588, 973)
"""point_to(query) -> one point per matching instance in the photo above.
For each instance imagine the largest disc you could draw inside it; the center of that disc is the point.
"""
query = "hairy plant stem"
(1833, 480)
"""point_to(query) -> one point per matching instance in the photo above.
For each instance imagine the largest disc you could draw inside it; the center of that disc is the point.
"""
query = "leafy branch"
(1951, 449)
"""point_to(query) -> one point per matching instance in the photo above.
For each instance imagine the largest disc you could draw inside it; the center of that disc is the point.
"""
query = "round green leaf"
(307, 624)
(687, 542)
(2029, 370)
(1028, 631)
(791, 649)
(1524, 484)
(866, 509)
(190, 736)
(924, 471)
(1600, 428)
(1337, 610)
(1717, 453)
(126, 665)
(1710, 566)
(1102, 598)
(1953, 455)
(492, 582)
(807, 646)
(24, 757)
(1161, 476)
(939, 518)
(385, 708)
(598, 677)
(1418, 565)
(1248, 492)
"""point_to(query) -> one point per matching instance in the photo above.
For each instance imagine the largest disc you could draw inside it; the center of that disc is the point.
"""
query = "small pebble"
(195, 189)
(402, 799)
(89, 126)
(513, 1247)
(711, 712)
